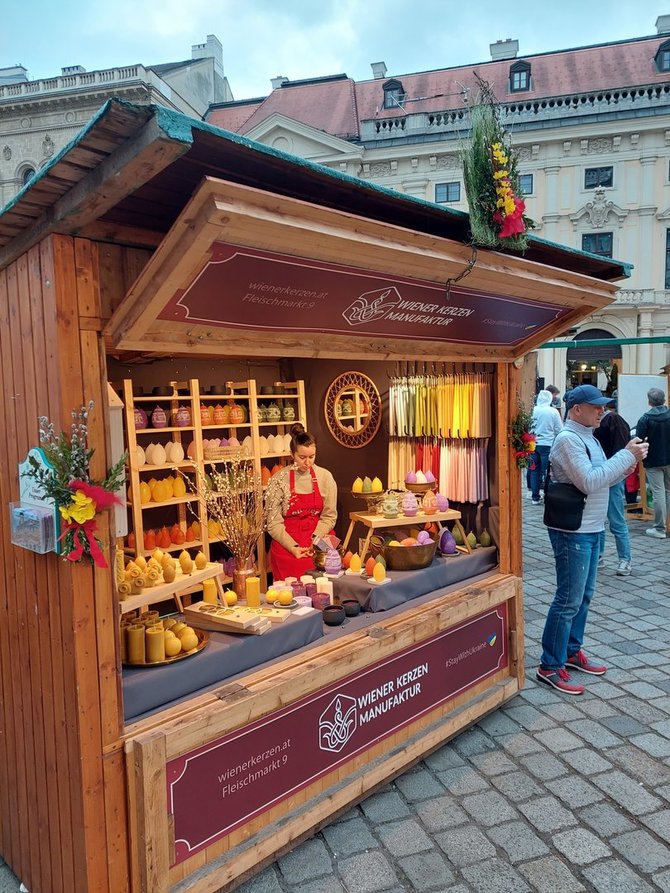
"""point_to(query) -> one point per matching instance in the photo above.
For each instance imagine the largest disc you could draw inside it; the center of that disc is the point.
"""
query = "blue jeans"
(539, 470)
(576, 557)
(617, 522)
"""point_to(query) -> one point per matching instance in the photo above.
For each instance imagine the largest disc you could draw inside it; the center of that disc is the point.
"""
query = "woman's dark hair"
(300, 437)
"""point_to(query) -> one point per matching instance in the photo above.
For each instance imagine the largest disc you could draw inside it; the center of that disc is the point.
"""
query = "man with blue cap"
(576, 457)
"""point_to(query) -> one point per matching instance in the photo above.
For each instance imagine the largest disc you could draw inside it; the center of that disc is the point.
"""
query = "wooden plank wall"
(63, 815)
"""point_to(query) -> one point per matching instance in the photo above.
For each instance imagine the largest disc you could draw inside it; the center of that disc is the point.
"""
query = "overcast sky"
(305, 38)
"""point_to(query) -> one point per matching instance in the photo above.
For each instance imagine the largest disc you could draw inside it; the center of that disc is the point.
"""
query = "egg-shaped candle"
(447, 543)
(367, 485)
(430, 477)
(355, 564)
(410, 477)
(424, 538)
(333, 562)
(379, 572)
(377, 486)
(409, 504)
(357, 486)
(421, 478)
(442, 502)
(429, 503)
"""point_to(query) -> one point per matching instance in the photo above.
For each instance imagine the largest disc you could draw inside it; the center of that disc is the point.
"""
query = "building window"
(448, 192)
(26, 174)
(394, 95)
(526, 184)
(598, 176)
(597, 243)
(667, 258)
(662, 57)
(519, 77)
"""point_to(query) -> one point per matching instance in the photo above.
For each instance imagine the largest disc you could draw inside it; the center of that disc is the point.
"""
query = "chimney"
(213, 49)
(663, 25)
(504, 49)
(72, 69)
(378, 69)
(278, 81)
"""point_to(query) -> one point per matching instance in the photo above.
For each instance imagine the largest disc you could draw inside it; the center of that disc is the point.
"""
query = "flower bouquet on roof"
(66, 479)
(491, 178)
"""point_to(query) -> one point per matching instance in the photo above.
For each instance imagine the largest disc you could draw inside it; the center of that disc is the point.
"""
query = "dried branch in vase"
(233, 497)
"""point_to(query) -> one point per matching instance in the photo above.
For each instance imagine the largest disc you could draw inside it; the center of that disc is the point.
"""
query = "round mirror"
(353, 409)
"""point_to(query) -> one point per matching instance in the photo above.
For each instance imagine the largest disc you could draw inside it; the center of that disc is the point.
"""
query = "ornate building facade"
(592, 128)
(38, 118)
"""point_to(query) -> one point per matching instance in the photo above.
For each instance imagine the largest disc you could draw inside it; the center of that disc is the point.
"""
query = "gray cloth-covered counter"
(147, 688)
(406, 585)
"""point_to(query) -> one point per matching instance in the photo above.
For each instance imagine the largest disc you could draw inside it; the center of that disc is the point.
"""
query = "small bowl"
(352, 608)
(333, 615)
(421, 488)
(409, 558)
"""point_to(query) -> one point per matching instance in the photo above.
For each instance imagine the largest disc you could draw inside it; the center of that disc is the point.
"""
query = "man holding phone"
(654, 426)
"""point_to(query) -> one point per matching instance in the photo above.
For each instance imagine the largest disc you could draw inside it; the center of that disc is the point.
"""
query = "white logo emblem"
(337, 723)
(372, 305)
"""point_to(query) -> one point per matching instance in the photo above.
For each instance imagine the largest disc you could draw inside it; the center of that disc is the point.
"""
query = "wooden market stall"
(156, 236)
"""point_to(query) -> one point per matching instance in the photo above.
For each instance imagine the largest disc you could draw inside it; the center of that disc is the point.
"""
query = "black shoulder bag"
(563, 503)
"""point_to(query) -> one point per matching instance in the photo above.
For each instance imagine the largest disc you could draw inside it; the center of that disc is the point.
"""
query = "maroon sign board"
(257, 290)
(228, 782)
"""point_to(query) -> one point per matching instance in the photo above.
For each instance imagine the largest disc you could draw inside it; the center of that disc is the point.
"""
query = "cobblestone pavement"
(551, 793)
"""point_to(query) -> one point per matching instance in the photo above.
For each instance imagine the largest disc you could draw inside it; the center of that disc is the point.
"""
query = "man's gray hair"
(656, 397)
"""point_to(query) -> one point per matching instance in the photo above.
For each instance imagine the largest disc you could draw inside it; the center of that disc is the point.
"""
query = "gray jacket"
(570, 463)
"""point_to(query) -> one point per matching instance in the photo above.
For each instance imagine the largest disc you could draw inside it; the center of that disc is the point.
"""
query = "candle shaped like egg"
(355, 564)
(409, 504)
(333, 563)
(429, 503)
(379, 572)
(442, 502)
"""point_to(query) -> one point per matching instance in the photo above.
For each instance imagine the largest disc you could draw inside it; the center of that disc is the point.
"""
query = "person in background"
(555, 396)
(577, 458)
(301, 504)
(546, 425)
(654, 426)
(613, 434)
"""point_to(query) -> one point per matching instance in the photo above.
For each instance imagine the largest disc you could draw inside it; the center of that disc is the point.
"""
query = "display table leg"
(219, 590)
(366, 544)
(352, 524)
(466, 545)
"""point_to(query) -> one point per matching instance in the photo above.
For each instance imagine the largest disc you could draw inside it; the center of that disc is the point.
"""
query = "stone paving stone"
(547, 814)
(638, 763)
(662, 727)
(662, 881)
(628, 661)
(531, 719)
(659, 823)
(463, 846)
(562, 712)
(594, 708)
(595, 734)
(627, 792)
(404, 838)
(518, 840)
(419, 785)
(605, 690)
(493, 763)
(641, 710)
(606, 819)
(323, 885)
(580, 846)
(308, 860)
(444, 758)
(550, 875)
(654, 745)
(644, 690)
(586, 761)
(494, 876)
(558, 740)
(345, 838)
(461, 781)
(613, 876)
(472, 741)
(519, 744)
(497, 723)
(544, 766)
(489, 809)
(624, 725)
(429, 871)
(265, 882)
(517, 786)
(384, 807)
(440, 813)
(641, 849)
(574, 791)
(367, 873)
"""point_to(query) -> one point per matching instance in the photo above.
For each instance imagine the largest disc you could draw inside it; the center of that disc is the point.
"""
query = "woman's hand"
(302, 552)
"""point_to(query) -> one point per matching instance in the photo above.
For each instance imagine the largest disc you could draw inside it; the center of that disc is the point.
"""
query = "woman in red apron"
(301, 503)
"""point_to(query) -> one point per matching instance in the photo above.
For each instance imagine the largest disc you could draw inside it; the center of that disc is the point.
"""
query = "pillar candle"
(290, 580)
(320, 582)
(326, 587)
(209, 592)
(253, 592)
(155, 644)
(135, 643)
(307, 578)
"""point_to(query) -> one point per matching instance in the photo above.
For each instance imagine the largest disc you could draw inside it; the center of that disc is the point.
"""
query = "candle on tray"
(155, 644)
(135, 643)
(209, 592)
(253, 592)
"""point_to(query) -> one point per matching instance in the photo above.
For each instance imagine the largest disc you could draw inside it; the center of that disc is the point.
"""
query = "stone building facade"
(38, 118)
(592, 129)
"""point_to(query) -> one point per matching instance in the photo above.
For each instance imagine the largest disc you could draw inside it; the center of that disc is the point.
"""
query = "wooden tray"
(203, 639)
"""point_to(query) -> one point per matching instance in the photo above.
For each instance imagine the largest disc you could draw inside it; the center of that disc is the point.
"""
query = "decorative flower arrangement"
(67, 481)
(521, 437)
(497, 209)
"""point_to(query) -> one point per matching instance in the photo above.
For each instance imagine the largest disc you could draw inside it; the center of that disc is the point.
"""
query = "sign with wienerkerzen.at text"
(226, 783)
(247, 288)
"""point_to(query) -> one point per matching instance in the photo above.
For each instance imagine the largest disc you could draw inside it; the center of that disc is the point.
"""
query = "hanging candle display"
(409, 504)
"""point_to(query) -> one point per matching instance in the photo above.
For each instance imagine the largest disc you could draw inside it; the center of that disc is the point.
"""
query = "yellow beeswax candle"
(155, 643)
(379, 572)
(253, 592)
(135, 643)
(209, 592)
(355, 564)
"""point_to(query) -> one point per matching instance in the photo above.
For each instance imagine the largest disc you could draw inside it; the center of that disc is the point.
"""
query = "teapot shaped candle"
(390, 507)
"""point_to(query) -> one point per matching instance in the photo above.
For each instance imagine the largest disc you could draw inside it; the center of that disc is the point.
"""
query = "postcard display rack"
(287, 397)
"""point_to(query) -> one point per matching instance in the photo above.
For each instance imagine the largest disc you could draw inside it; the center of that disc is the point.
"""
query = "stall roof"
(127, 176)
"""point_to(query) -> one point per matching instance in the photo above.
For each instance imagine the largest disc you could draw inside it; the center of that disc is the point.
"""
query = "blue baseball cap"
(585, 393)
